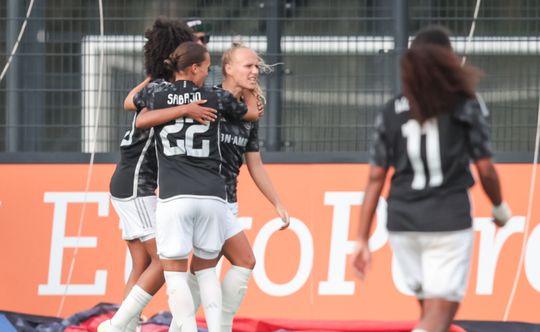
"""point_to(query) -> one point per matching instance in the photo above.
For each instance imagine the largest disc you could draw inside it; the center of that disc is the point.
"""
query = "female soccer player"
(134, 181)
(429, 135)
(191, 212)
(239, 140)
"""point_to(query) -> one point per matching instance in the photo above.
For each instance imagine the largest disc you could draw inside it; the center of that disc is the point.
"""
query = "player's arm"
(491, 185)
(379, 163)
(151, 118)
(264, 183)
(129, 104)
(362, 255)
(479, 139)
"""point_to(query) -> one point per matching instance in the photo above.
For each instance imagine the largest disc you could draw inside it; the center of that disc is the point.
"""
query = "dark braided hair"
(162, 39)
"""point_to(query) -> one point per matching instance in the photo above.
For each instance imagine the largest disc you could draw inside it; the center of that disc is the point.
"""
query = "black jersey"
(431, 161)
(237, 137)
(136, 172)
(189, 155)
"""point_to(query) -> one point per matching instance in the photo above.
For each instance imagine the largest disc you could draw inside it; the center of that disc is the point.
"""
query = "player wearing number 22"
(429, 136)
(192, 212)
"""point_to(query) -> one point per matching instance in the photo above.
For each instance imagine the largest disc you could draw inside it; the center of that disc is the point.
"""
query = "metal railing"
(339, 66)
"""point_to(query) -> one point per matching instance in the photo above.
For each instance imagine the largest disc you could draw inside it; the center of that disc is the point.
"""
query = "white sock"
(131, 307)
(210, 289)
(419, 330)
(195, 291)
(132, 324)
(234, 288)
(180, 302)
(174, 327)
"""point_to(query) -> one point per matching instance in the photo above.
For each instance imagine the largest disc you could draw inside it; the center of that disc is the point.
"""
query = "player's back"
(431, 162)
(434, 155)
(189, 155)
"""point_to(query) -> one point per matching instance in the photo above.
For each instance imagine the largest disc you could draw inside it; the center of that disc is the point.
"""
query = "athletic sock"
(234, 289)
(180, 301)
(131, 307)
(210, 289)
(132, 324)
(195, 291)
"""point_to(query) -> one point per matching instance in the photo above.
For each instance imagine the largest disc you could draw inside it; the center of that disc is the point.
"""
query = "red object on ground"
(91, 324)
(271, 325)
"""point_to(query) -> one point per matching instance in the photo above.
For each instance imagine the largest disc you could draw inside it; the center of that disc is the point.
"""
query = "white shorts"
(137, 217)
(187, 223)
(233, 226)
(434, 264)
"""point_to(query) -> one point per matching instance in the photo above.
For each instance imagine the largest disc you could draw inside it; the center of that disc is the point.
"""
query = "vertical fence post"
(274, 14)
(33, 78)
(401, 37)
(14, 13)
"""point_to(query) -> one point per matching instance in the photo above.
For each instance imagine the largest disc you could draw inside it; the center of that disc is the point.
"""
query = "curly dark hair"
(162, 39)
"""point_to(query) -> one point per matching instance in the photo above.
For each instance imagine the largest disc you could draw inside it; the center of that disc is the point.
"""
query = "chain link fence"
(337, 66)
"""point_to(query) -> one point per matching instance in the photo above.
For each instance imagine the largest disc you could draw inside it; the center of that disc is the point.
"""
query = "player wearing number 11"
(429, 136)
(192, 211)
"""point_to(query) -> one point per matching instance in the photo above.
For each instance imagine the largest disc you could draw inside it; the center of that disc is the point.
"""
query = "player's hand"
(501, 214)
(284, 215)
(201, 114)
(361, 259)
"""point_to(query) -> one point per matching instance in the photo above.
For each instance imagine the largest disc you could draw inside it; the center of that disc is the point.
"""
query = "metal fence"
(338, 66)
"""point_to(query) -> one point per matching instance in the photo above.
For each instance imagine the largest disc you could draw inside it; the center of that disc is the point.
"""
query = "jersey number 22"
(184, 146)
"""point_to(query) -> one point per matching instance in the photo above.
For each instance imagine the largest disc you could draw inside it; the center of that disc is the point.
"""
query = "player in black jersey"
(192, 213)
(239, 140)
(429, 135)
(134, 181)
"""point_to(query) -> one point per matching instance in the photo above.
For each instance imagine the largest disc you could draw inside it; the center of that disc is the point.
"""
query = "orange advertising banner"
(62, 250)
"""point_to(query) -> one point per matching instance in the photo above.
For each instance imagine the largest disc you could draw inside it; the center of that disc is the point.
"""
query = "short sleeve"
(475, 115)
(146, 97)
(231, 107)
(253, 140)
(140, 99)
(378, 152)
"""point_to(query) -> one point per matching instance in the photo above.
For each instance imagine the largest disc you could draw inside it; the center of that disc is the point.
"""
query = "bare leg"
(438, 315)
(238, 251)
(140, 261)
(152, 278)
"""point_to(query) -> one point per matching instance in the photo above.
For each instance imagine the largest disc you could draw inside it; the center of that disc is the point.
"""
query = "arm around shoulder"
(129, 105)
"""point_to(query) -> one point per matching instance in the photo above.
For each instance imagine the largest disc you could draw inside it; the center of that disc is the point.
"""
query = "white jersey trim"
(220, 156)
(140, 161)
(483, 107)
(192, 196)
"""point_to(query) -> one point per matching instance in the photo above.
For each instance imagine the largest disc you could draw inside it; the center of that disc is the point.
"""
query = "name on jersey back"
(184, 98)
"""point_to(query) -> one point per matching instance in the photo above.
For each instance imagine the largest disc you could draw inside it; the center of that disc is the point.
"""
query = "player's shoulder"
(470, 109)
(396, 105)
(221, 93)
(158, 85)
(393, 112)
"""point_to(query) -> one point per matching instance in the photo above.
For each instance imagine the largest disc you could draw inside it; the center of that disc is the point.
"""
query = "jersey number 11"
(413, 132)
